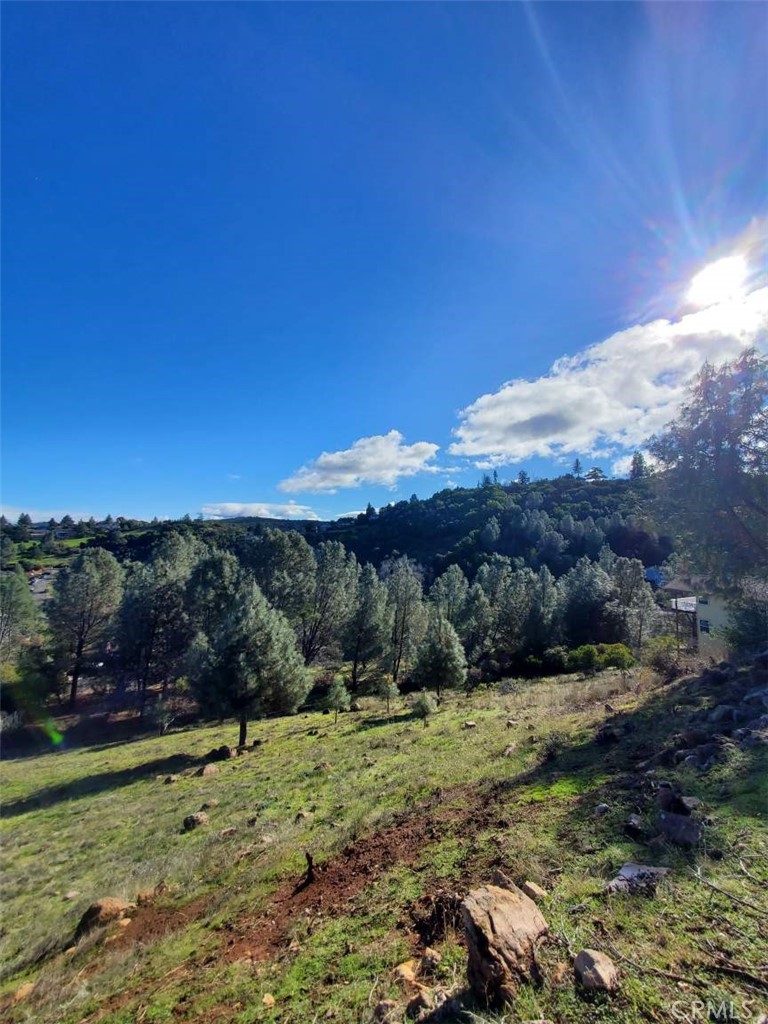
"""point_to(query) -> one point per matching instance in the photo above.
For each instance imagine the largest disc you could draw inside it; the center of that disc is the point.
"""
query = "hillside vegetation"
(402, 821)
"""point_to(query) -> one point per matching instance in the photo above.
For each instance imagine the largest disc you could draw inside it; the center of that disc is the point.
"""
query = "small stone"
(406, 972)
(144, 898)
(227, 832)
(636, 878)
(206, 770)
(193, 821)
(71, 895)
(601, 809)
(691, 803)
(469, 725)
(123, 922)
(169, 779)
(323, 766)
(430, 958)
(596, 971)
(502, 880)
(534, 891)
(510, 750)
(209, 805)
(302, 816)
(268, 1000)
(421, 1001)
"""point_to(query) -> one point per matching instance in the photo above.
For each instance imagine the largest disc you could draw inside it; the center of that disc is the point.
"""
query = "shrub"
(585, 659)
(615, 656)
(555, 660)
(424, 706)
(661, 653)
(553, 745)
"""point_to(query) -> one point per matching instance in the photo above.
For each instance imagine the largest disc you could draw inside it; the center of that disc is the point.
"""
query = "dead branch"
(736, 899)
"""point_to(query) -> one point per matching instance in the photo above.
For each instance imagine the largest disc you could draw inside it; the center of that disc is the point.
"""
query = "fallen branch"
(722, 963)
(749, 874)
(736, 899)
(693, 980)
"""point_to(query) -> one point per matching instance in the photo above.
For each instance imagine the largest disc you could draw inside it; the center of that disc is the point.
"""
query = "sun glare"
(719, 281)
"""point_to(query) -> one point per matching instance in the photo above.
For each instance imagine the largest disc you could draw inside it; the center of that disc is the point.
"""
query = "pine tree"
(449, 594)
(368, 626)
(405, 599)
(441, 662)
(337, 699)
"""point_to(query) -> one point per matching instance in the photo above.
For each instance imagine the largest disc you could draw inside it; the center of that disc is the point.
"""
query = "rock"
(355, 706)
(195, 820)
(668, 800)
(596, 971)
(71, 895)
(722, 713)
(601, 809)
(430, 959)
(406, 972)
(169, 779)
(679, 828)
(384, 1011)
(302, 816)
(23, 992)
(209, 805)
(691, 803)
(207, 769)
(510, 750)
(100, 913)
(501, 927)
(469, 725)
(421, 1001)
(511, 723)
(534, 891)
(636, 878)
(634, 827)
(323, 766)
(268, 1000)
(227, 832)
(503, 881)
(222, 753)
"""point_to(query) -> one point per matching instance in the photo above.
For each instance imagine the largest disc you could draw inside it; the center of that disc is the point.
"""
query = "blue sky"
(292, 258)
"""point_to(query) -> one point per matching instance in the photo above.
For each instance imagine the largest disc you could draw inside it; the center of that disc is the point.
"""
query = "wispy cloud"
(263, 509)
(234, 476)
(381, 459)
(611, 397)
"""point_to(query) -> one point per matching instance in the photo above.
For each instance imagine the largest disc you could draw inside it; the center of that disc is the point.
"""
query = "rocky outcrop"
(101, 912)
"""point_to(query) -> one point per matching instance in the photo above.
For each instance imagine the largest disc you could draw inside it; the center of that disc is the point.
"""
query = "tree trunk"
(76, 668)
(243, 727)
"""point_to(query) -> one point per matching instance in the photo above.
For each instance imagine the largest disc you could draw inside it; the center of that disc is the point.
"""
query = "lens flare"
(720, 281)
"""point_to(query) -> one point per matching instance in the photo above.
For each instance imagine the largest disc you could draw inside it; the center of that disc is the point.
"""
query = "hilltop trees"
(251, 664)
(18, 614)
(449, 594)
(86, 596)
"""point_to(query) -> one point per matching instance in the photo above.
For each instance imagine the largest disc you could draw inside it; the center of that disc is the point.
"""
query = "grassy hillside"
(403, 821)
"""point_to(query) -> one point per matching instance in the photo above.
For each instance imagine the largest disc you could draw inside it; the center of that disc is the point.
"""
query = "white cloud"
(352, 515)
(381, 459)
(234, 476)
(612, 396)
(263, 509)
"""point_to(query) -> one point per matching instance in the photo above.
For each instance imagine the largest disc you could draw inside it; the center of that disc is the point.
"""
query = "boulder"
(534, 891)
(355, 706)
(222, 753)
(193, 821)
(601, 809)
(100, 913)
(595, 971)
(679, 829)
(206, 770)
(501, 927)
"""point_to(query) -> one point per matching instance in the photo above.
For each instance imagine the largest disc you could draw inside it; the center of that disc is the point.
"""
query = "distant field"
(419, 812)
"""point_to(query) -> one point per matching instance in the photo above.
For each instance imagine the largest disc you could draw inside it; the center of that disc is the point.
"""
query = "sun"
(720, 281)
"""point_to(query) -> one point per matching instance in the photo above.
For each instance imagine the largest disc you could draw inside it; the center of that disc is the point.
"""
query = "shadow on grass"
(94, 784)
(401, 719)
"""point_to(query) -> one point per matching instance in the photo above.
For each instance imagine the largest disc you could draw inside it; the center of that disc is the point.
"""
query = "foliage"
(18, 614)
(441, 662)
(424, 706)
(325, 617)
(714, 469)
(251, 664)
(369, 625)
(405, 600)
(661, 653)
(337, 698)
(85, 599)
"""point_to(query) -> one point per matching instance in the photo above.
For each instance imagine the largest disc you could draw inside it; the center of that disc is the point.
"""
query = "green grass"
(102, 822)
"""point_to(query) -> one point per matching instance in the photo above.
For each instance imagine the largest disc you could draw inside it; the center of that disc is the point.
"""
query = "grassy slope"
(102, 822)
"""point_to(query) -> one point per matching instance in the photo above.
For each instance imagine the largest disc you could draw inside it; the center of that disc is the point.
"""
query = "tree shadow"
(375, 723)
(92, 785)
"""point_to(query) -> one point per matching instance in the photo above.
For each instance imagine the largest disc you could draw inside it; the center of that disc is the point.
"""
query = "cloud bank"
(263, 509)
(612, 396)
(381, 459)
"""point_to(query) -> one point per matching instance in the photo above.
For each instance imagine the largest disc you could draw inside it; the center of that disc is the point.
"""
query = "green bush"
(555, 660)
(585, 659)
(615, 656)
(424, 706)
(661, 653)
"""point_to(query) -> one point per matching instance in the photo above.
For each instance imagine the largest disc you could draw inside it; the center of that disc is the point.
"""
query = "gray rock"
(636, 878)
(722, 713)
(501, 927)
(595, 971)
(679, 829)
(601, 809)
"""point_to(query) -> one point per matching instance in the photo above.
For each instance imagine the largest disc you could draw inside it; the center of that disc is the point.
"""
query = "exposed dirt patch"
(151, 922)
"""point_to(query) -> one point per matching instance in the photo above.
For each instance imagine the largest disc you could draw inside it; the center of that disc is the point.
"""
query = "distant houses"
(701, 613)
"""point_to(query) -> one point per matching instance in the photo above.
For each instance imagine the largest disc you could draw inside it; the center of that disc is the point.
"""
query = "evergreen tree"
(638, 469)
(251, 665)
(577, 470)
(449, 594)
(337, 699)
(388, 690)
(85, 599)
(440, 663)
(324, 622)
(284, 567)
(477, 622)
(18, 614)
(424, 707)
(405, 599)
(368, 626)
(584, 591)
